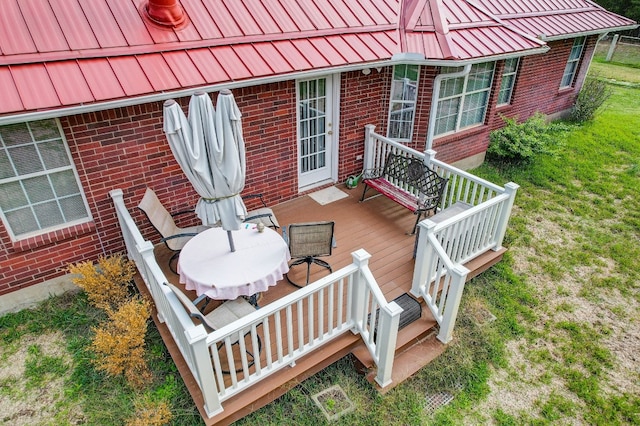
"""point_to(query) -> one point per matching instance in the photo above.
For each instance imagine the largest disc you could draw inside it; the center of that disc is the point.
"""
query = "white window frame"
(407, 102)
(508, 81)
(570, 70)
(458, 94)
(22, 178)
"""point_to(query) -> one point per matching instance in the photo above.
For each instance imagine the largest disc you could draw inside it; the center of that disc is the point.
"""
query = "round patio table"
(208, 266)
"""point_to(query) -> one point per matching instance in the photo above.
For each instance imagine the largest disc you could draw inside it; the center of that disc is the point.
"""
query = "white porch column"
(511, 189)
(369, 147)
(361, 260)
(424, 258)
(203, 369)
(458, 278)
(386, 341)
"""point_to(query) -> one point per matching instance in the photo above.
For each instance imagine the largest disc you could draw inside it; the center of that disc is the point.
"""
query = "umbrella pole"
(233, 248)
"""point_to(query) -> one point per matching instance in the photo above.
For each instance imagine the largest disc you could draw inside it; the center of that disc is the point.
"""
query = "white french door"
(316, 135)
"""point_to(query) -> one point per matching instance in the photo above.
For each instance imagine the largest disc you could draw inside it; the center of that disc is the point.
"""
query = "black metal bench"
(408, 182)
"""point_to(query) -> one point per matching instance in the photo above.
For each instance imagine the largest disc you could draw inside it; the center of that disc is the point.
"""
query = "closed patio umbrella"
(210, 150)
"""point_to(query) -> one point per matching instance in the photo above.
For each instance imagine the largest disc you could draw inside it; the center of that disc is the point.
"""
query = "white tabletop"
(208, 266)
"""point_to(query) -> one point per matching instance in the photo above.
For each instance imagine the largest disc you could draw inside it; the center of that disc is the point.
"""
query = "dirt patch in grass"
(32, 388)
(571, 302)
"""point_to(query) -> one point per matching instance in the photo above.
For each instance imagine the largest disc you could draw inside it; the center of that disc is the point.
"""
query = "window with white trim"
(508, 80)
(572, 63)
(402, 107)
(39, 186)
(462, 101)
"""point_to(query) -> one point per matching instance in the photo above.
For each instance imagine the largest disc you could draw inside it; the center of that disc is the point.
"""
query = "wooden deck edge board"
(409, 362)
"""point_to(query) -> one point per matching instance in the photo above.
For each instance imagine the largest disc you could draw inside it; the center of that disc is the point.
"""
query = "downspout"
(434, 100)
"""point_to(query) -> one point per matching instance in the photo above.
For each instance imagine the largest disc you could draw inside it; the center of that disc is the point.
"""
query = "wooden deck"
(380, 227)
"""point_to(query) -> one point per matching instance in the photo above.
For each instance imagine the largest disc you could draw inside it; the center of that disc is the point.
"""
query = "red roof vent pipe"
(167, 13)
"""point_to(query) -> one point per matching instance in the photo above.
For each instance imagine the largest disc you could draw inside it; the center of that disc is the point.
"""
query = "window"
(39, 187)
(572, 62)
(508, 80)
(404, 94)
(462, 101)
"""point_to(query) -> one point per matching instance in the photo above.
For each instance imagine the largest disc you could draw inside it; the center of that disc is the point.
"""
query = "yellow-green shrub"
(106, 283)
(119, 342)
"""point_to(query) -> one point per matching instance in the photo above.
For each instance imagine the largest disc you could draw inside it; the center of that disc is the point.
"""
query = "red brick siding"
(126, 148)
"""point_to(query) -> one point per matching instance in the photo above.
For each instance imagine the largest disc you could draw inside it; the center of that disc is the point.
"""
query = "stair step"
(410, 361)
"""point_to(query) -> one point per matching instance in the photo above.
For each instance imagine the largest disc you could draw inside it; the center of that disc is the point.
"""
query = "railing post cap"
(360, 256)
(116, 193)
(370, 126)
(512, 186)
(430, 152)
(196, 333)
(427, 224)
(461, 270)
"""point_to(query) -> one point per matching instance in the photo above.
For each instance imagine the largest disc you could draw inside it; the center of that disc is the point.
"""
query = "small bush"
(149, 413)
(593, 94)
(119, 342)
(108, 283)
(519, 143)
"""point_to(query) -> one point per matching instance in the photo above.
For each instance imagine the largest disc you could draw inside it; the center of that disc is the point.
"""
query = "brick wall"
(125, 148)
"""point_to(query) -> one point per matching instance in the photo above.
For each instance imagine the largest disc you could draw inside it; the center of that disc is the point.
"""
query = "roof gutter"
(544, 37)
(404, 58)
(434, 100)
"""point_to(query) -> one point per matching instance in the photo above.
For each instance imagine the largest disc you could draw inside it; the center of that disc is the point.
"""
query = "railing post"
(197, 338)
(424, 252)
(387, 337)
(510, 189)
(429, 156)
(458, 278)
(361, 260)
(369, 151)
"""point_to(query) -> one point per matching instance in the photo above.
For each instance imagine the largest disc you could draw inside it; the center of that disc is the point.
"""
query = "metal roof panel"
(331, 54)
(338, 43)
(273, 58)
(158, 72)
(103, 24)
(101, 79)
(35, 87)
(379, 43)
(184, 69)
(363, 50)
(292, 55)
(11, 101)
(311, 54)
(298, 15)
(130, 75)
(223, 19)
(14, 33)
(254, 62)
(280, 16)
(206, 63)
(244, 17)
(201, 20)
(74, 24)
(130, 22)
(316, 16)
(69, 83)
(43, 25)
(231, 63)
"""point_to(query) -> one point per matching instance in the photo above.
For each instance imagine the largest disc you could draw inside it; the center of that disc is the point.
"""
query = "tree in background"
(628, 8)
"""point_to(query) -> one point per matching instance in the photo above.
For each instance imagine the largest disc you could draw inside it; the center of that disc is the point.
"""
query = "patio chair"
(172, 235)
(307, 242)
(225, 314)
(262, 215)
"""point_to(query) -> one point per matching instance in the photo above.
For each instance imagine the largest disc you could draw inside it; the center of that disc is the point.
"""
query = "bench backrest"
(412, 174)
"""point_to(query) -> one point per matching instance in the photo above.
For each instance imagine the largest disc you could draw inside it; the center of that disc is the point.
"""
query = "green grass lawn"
(562, 350)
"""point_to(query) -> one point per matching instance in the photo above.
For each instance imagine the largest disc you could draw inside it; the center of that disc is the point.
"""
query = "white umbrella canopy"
(210, 150)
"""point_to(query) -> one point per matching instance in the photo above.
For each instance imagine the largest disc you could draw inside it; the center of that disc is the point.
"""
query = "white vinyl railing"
(444, 247)
(348, 300)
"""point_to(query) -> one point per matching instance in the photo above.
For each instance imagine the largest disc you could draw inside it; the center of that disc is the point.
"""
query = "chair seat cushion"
(264, 219)
(229, 311)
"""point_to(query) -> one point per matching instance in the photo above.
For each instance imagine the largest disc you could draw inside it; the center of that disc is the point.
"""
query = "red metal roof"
(67, 53)
(555, 18)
